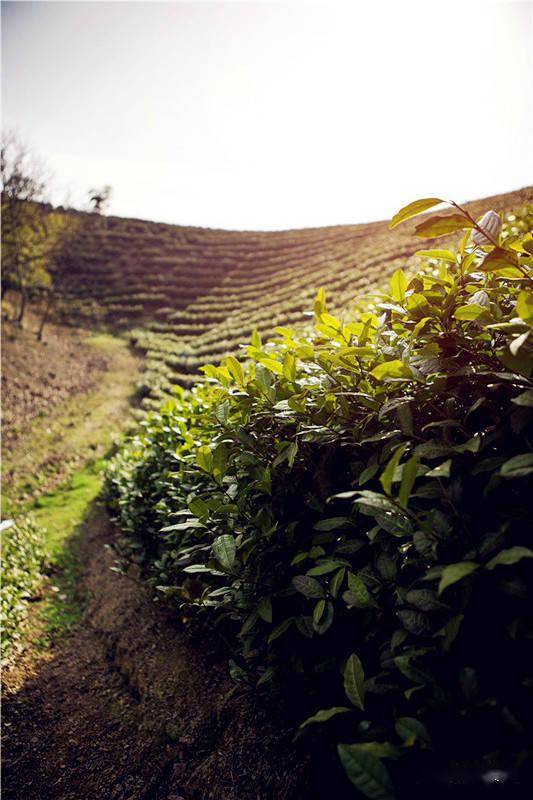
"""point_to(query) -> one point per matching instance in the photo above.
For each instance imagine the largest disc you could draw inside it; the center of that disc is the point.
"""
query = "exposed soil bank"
(53, 427)
(37, 376)
(126, 706)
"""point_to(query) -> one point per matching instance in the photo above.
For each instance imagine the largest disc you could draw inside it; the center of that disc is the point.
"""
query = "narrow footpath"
(106, 696)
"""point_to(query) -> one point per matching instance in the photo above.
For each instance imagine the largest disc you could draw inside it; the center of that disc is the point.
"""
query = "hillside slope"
(195, 295)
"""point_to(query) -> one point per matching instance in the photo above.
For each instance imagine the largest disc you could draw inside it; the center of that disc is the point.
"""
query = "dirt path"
(127, 707)
(55, 435)
(106, 696)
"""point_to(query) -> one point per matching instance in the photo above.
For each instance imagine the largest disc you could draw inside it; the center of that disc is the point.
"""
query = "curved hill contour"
(194, 295)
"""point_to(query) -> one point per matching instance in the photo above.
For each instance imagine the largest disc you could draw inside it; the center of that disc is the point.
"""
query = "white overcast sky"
(272, 115)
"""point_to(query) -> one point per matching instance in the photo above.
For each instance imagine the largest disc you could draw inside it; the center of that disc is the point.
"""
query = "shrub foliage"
(22, 561)
(355, 503)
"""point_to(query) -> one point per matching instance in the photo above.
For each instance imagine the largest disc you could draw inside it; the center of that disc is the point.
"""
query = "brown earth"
(128, 706)
(37, 376)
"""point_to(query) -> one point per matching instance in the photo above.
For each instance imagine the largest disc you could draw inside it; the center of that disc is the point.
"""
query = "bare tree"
(100, 198)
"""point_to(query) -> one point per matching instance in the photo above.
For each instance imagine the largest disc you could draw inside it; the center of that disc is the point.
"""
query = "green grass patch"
(61, 518)
(64, 509)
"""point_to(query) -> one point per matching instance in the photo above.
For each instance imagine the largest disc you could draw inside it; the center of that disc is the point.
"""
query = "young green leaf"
(256, 340)
(470, 312)
(413, 209)
(387, 475)
(320, 303)
(440, 225)
(398, 284)
(204, 458)
(391, 369)
(524, 306)
(235, 369)
(408, 479)
(441, 255)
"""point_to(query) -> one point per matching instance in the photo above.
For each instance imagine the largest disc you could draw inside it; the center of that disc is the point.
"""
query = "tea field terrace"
(192, 296)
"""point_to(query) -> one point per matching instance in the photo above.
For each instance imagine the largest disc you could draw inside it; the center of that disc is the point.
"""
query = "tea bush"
(22, 561)
(355, 504)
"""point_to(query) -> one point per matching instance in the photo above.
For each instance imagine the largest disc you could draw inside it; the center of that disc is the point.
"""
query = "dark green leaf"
(366, 772)
(224, 550)
(308, 586)
(324, 715)
(354, 681)
(455, 572)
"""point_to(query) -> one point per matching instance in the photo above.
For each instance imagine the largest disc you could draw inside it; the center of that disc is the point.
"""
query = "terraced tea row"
(194, 295)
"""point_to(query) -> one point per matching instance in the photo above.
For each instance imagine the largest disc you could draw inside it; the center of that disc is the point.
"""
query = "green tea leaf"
(366, 772)
(524, 399)
(324, 568)
(455, 572)
(336, 582)
(388, 473)
(324, 715)
(280, 629)
(331, 524)
(398, 284)
(205, 458)
(308, 586)
(524, 306)
(413, 209)
(408, 479)
(264, 609)
(359, 594)
(235, 369)
(391, 369)
(320, 303)
(224, 550)
(412, 730)
(354, 681)
(441, 255)
(440, 225)
(441, 471)
(318, 611)
(510, 556)
(469, 312)
(518, 466)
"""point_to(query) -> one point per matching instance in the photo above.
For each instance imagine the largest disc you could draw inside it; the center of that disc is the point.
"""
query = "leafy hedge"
(22, 561)
(356, 504)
